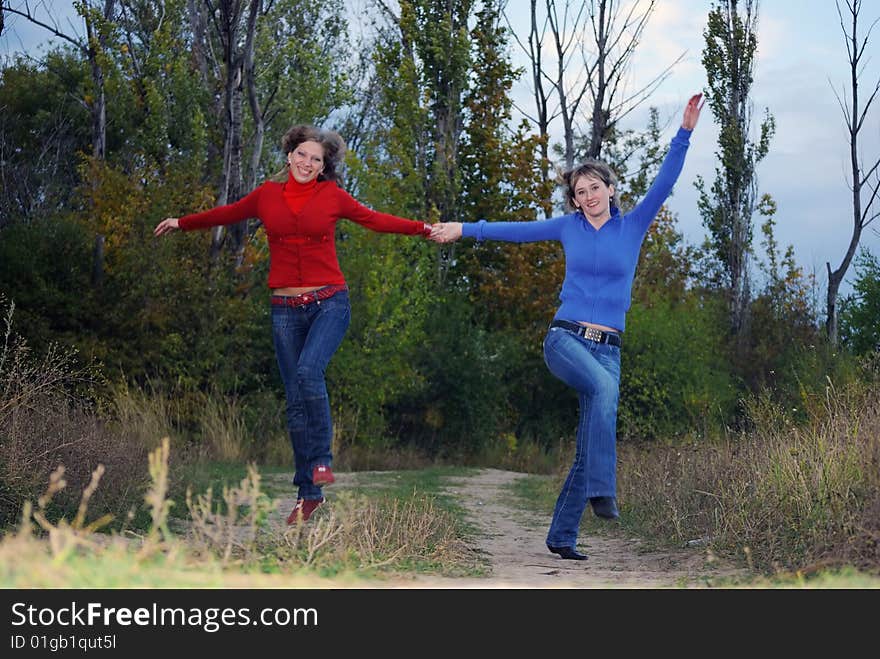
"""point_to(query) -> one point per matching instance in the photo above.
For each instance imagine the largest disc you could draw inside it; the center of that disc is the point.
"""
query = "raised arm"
(673, 163)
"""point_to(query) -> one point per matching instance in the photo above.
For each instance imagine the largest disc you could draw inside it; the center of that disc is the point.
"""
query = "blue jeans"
(305, 339)
(593, 370)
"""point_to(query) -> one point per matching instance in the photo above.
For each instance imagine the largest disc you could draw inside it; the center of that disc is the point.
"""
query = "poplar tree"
(727, 209)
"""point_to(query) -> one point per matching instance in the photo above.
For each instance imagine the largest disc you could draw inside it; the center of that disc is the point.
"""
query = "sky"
(801, 61)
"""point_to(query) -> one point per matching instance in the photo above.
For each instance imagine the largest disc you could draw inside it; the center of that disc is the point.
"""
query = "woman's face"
(306, 161)
(593, 197)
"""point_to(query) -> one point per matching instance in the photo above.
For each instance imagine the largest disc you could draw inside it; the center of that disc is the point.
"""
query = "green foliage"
(860, 311)
(783, 317)
(164, 122)
(441, 40)
(673, 377)
(465, 395)
(44, 270)
(390, 279)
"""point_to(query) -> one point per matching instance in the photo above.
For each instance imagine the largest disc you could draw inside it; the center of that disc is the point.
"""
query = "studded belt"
(591, 333)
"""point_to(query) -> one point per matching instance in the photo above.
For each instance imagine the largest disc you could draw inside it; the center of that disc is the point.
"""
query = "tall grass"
(783, 496)
(48, 417)
(240, 535)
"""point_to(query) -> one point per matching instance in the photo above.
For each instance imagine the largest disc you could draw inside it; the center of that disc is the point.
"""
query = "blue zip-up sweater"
(599, 265)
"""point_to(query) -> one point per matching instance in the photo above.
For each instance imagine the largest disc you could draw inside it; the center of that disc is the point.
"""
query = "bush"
(673, 375)
(464, 404)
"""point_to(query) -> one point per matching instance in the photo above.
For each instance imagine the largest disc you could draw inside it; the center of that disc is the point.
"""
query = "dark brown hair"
(334, 147)
(594, 168)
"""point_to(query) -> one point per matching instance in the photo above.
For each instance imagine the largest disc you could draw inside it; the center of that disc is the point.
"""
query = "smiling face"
(593, 196)
(306, 161)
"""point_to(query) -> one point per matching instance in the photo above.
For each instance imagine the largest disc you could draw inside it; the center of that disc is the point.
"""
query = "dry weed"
(230, 528)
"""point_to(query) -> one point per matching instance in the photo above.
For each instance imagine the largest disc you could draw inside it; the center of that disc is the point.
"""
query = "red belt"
(308, 298)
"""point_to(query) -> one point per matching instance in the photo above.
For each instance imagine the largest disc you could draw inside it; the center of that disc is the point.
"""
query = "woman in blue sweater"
(582, 346)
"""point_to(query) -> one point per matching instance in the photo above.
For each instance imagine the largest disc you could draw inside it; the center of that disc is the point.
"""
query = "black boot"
(605, 507)
(568, 552)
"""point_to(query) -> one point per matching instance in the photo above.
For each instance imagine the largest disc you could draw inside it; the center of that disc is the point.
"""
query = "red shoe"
(321, 475)
(303, 510)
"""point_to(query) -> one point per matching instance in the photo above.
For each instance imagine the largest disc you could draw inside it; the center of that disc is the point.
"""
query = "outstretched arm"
(512, 232)
(354, 210)
(247, 206)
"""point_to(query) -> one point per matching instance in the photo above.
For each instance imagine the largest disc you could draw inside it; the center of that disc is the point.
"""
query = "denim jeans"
(593, 370)
(305, 339)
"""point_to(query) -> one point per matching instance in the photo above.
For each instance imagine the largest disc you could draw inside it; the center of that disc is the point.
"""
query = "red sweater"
(302, 245)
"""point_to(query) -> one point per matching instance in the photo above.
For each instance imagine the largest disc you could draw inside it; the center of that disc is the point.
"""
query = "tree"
(228, 45)
(298, 73)
(533, 49)
(729, 59)
(43, 128)
(864, 191)
(616, 32)
(99, 26)
(860, 311)
(423, 64)
(613, 32)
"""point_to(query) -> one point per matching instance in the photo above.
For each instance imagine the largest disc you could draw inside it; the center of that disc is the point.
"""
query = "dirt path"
(513, 540)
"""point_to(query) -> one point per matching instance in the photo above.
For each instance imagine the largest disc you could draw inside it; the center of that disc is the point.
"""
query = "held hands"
(445, 232)
(166, 225)
(692, 111)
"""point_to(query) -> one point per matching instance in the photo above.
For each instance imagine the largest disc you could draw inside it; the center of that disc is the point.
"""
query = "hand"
(692, 111)
(445, 232)
(166, 225)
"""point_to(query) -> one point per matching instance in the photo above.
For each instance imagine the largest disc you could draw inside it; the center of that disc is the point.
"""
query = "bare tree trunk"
(861, 179)
(565, 35)
(599, 120)
(96, 46)
(257, 112)
(227, 18)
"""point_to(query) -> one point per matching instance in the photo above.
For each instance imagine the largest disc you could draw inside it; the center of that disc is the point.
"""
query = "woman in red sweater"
(310, 304)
